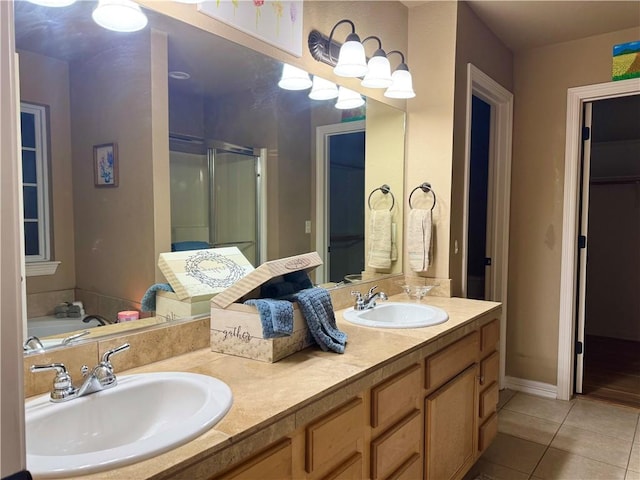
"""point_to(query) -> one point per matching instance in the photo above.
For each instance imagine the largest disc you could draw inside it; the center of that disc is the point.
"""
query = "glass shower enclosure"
(215, 195)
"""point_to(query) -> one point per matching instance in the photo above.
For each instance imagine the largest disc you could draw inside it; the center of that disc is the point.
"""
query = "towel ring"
(426, 188)
(384, 189)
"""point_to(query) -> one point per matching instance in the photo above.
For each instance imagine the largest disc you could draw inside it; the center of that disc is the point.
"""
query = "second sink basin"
(397, 315)
(144, 415)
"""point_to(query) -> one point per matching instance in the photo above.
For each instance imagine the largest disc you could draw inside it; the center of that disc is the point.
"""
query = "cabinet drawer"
(487, 433)
(490, 336)
(272, 464)
(447, 363)
(396, 445)
(489, 400)
(396, 396)
(335, 437)
(349, 470)
(409, 470)
(489, 368)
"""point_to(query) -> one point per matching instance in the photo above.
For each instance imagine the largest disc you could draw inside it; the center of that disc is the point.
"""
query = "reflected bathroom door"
(235, 213)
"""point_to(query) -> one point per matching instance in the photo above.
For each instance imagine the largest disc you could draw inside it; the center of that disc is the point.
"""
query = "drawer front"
(410, 470)
(447, 363)
(489, 368)
(489, 400)
(349, 470)
(272, 464)
(335, 437)
(395, 397)
(490, 336)
(396, 445)
(487, 433)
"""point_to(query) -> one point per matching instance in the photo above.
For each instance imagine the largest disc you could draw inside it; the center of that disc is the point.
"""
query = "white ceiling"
(522, 25)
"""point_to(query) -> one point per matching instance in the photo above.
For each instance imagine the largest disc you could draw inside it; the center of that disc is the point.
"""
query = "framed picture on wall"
(105, 165)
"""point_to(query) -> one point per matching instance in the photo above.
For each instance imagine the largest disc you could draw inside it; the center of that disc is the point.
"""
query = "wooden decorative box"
(196, 276)
(236, 328)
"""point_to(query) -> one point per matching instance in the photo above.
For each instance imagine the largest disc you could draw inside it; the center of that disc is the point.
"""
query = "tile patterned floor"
(543, 439)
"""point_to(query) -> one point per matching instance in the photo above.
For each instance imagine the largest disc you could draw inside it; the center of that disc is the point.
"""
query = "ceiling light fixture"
(402, 86)
(53, 3)
(294, 78)
(119, 15)
(348, 99)
(179, 75)
(323, 89)
(379, 74)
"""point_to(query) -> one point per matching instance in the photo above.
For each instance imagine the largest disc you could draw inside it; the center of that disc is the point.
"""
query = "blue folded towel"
(276, 316)
(317, 310)
(148, 302)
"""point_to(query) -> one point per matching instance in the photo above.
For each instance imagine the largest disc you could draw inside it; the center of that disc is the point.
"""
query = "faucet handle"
(106, 357)
(371, 291)
(355, 293)
(62, 383)
(71, 338)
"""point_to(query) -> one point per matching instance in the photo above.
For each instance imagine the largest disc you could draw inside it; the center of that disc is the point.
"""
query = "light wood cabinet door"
(450, 425)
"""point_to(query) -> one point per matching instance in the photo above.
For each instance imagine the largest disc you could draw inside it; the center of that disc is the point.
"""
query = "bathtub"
(50, 325)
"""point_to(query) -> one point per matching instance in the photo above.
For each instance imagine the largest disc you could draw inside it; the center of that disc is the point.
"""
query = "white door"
(582, 245)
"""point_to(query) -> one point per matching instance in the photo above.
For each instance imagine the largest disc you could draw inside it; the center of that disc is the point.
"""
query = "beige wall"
(114, 226)
(475, 44)
(430, 118)
(541, 79)
(45, 81)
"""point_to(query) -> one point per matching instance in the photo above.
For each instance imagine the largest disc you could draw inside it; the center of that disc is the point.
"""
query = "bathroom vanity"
(399, 403)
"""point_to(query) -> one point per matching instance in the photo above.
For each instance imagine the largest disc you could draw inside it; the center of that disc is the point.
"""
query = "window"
(35, 184)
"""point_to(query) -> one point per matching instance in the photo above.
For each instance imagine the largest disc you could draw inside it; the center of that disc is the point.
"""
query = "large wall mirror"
(187, 152)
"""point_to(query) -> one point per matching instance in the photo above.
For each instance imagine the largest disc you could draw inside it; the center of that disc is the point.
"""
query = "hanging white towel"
(419, 239)
(380, 239)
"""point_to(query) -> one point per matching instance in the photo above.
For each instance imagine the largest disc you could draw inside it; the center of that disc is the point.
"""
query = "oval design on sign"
(297, 263)
(224, 276)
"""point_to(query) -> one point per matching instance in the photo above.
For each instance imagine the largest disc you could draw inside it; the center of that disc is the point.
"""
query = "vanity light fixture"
(53, 3)
(348, 99)
(379, 74)
(402, 86)
(323, 89)
(119, 15)
(294, 78)
(351, 60)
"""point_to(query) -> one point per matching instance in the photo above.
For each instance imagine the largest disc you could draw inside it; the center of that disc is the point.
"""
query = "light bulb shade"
(352, 61)
(402, 86)
(348, 99)
(53, 3)
(119, 15)
(294, 78)
(379, 74)
(323, 89)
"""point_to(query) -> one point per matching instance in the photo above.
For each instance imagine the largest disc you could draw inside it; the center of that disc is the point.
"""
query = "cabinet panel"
(272, 464)
(335, 437)
(450, 427)
(349, 470)
(396, 396)
(489, 400)
(409, 470)
(490, 336)
(489, 369)
(396, 445)
(451, 360)
(488, 432)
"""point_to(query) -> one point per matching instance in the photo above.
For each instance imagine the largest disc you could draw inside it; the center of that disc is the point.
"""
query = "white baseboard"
(530, 386)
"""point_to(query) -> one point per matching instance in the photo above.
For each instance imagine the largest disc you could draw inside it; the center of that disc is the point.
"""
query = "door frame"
(323, 133)
(576, 97)
(498, 207)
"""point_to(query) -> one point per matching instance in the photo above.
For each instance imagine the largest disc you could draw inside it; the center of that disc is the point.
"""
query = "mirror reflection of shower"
(215, 196)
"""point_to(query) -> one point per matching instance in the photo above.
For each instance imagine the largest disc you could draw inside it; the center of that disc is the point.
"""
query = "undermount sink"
(144, 415)
(397, 315)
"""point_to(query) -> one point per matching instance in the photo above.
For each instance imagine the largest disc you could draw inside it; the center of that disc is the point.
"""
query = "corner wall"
(541, 79)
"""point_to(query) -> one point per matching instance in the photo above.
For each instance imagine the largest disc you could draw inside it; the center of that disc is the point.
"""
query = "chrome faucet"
(100, 378)
(368, 300)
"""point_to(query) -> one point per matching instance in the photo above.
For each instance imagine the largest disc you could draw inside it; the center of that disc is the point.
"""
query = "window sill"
(35, 269)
